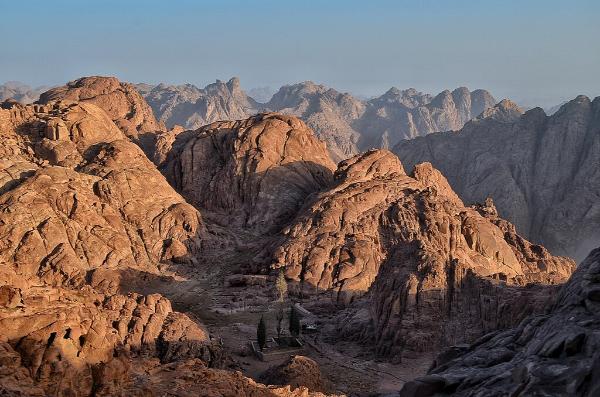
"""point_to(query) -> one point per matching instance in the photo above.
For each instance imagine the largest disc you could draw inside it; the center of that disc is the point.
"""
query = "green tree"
(281, 286)
(261, 333)
(294, 321)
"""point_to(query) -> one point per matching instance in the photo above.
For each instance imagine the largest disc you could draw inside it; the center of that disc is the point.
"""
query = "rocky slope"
(540, 170)
(346, 124)
(437, 271)
(192, 107)
(124, 105)
(553, 354)
(81, 204)
(253, 173)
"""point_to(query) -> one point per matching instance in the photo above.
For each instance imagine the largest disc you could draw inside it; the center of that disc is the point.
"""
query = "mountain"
(253, 173)
(347, 125)
(553, 354)
(432, 268)
(541, 171)
(20, 92)
(121, 101)
(192, 107)
(328, 112)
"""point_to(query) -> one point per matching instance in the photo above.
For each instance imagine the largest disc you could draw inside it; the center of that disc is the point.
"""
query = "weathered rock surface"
(123, 104)
(347, 125)
(253, 173)
(437, 271)
(192, 378)
(553, 354)
(79, 204)
(297, 371)
(541, 171)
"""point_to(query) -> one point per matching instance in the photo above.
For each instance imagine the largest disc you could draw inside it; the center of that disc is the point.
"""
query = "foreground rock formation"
(124, 105)
(437, 271)
(549, 354)
(541, 171)
(80, 203)
(347, 125)
(253, 174)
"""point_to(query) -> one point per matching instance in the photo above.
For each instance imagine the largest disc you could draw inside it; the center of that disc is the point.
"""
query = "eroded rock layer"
(431, 264)
(554, 354)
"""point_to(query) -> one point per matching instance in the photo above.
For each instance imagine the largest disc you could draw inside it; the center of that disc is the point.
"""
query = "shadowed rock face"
(123, 104)
(253, 173)
(554, 354)
(541, 171)
(432, 265)
(80, 203)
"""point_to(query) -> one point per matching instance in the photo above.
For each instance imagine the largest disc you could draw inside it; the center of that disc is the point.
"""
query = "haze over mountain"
(347, 125)
(20, 92)
(542, 171)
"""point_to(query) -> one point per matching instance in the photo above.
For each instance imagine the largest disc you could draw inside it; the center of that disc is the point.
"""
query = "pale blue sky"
(537, 51)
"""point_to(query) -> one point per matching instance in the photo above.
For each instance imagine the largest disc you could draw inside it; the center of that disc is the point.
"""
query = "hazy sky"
(535, 51)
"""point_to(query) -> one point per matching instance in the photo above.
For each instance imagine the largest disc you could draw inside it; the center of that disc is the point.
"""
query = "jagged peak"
(504, 111)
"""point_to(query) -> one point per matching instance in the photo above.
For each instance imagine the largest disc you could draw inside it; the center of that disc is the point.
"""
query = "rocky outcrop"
(437, 271)
(253, 173)
(63, 338)
(80, 204)
(549, 354)
(297, 371)
(123, 104)
(540, 170)
(194, 378)
(192, 107)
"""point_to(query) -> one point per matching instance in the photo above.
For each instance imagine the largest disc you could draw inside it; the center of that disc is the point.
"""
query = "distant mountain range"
(347, 124)
(20, 92)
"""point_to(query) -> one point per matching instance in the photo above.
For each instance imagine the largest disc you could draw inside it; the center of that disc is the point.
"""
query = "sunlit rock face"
(80, 204)
(254, 173)
(436, 271)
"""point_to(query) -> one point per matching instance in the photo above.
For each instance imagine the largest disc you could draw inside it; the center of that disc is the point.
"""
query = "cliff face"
(540, 170)
(253, 173)
(551, 354)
